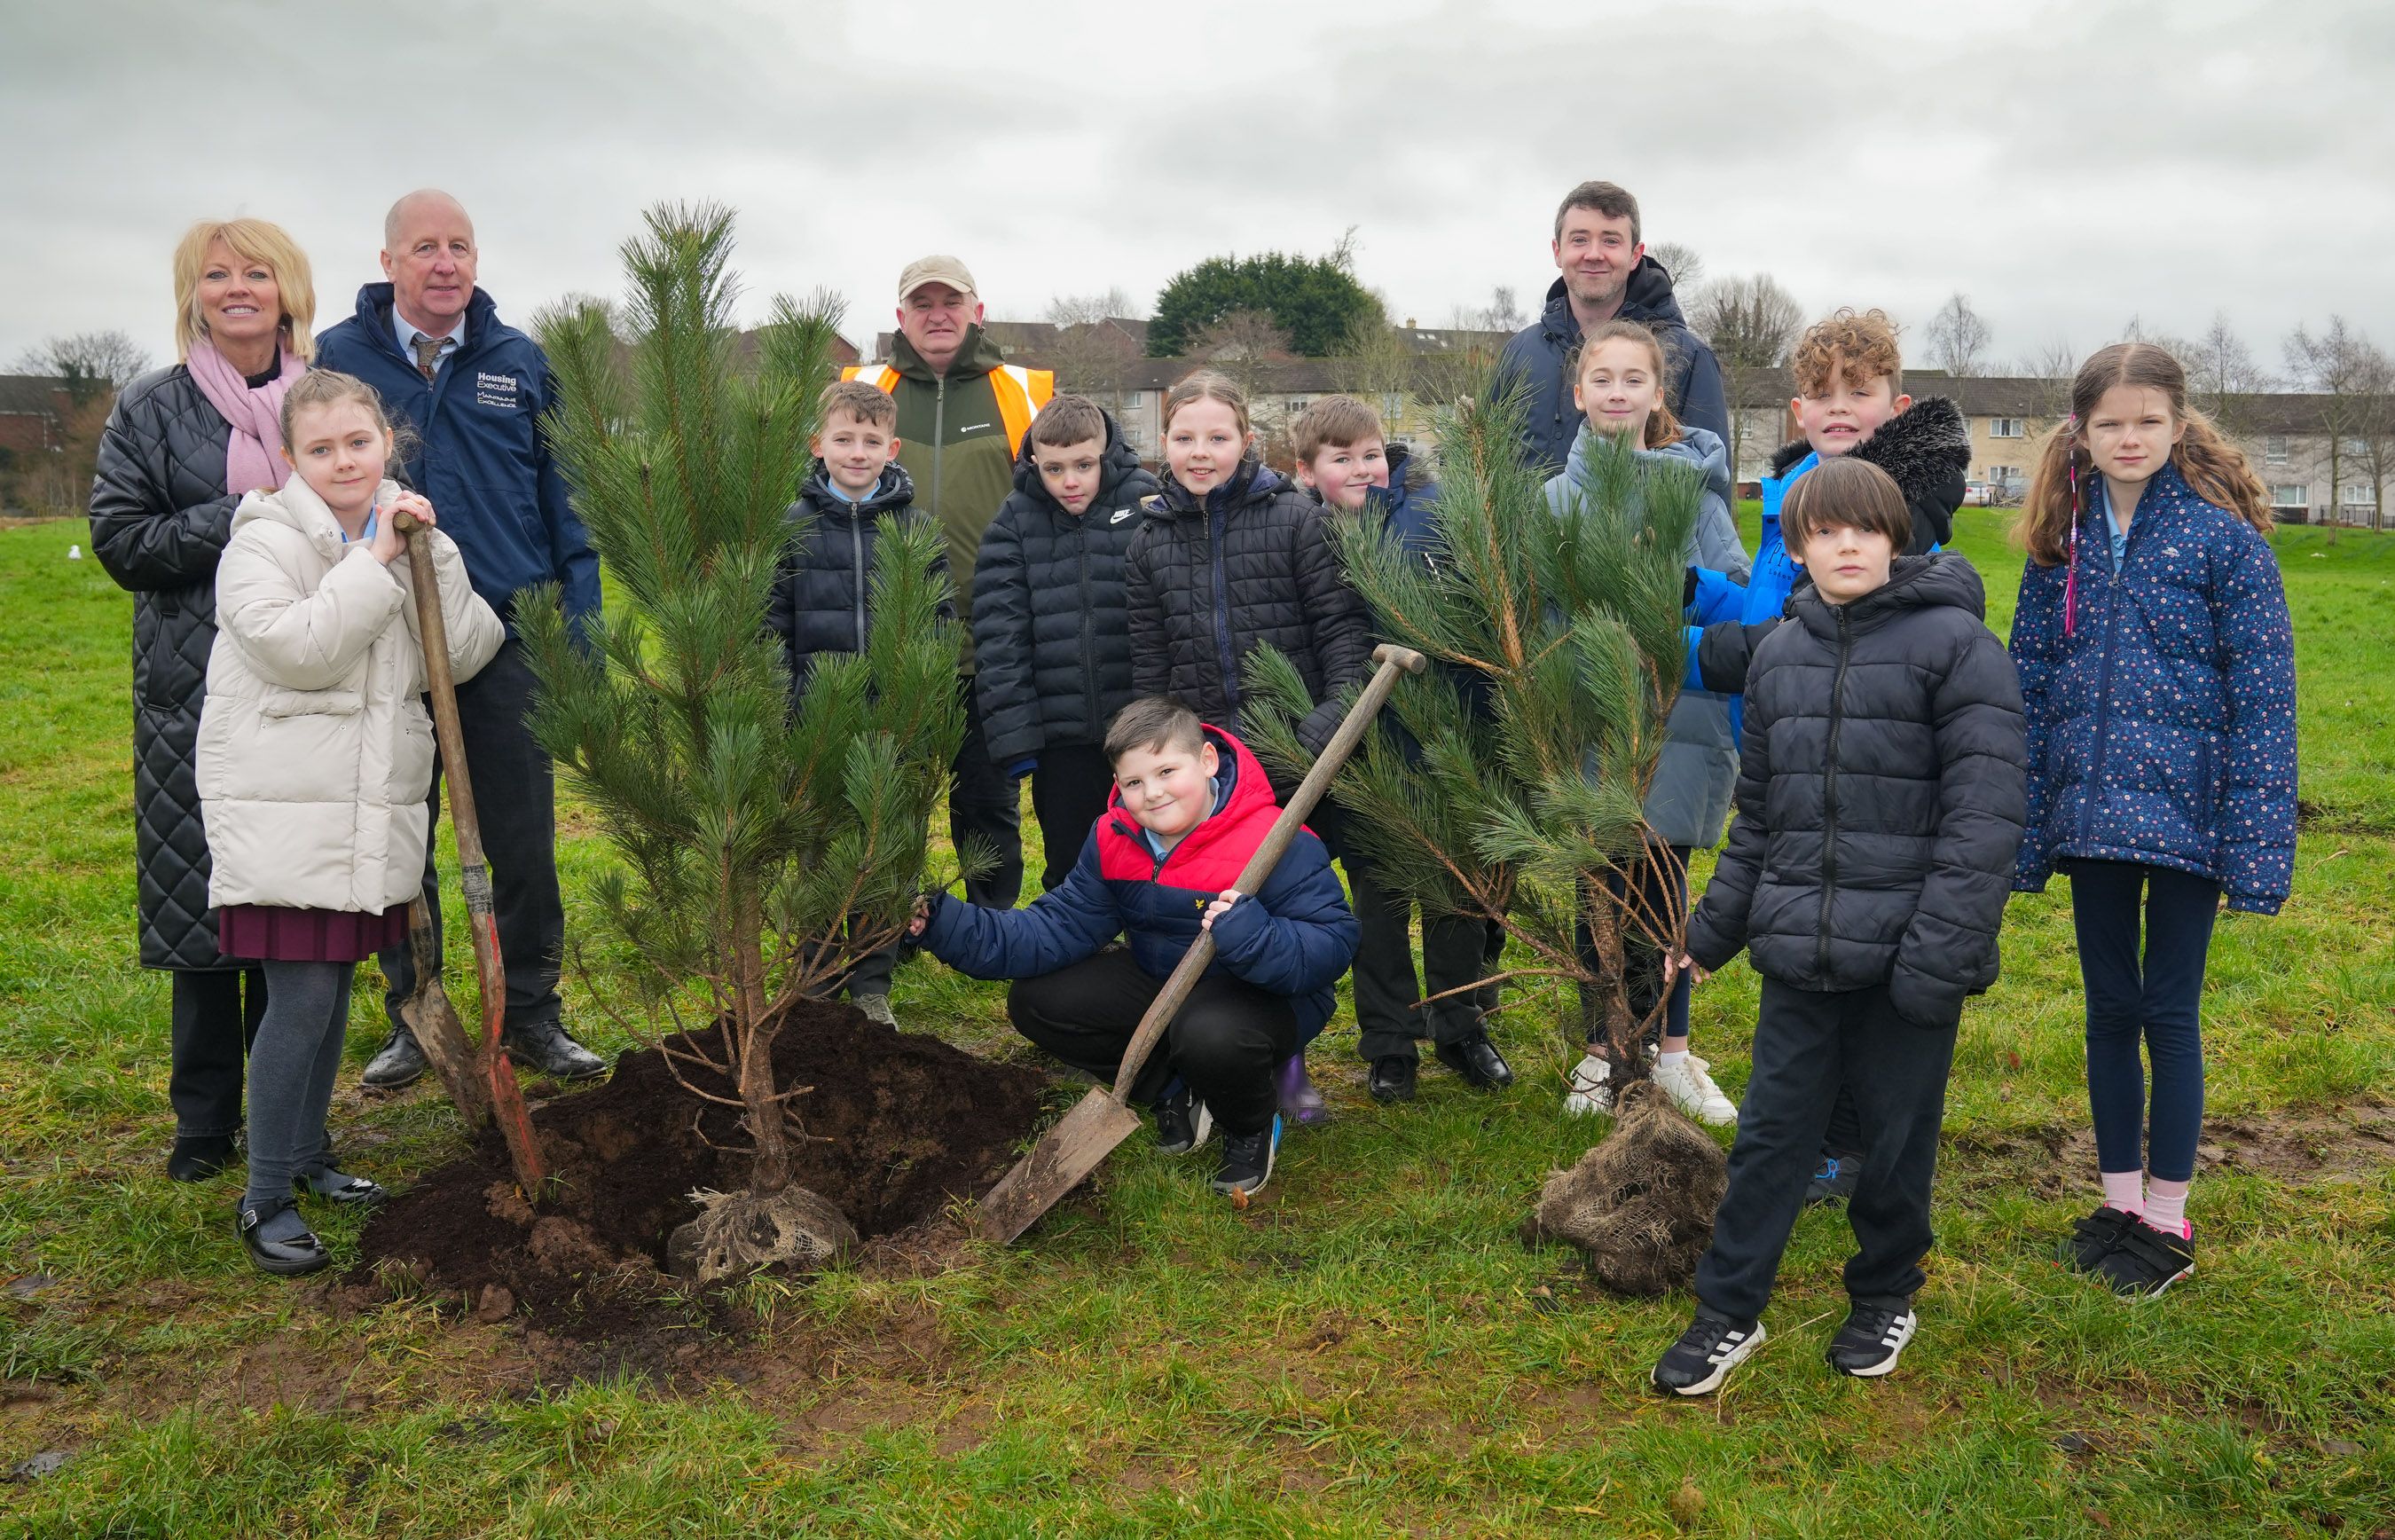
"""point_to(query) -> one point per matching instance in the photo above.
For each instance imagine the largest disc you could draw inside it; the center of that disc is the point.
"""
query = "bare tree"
(1240, 345)
(2375, 427)
(1083, 310)
(1751, 324)
(91, 362)
(2049, 368)
(2223, 378)
(2335, 364)
(1688, 268)
(1375, 362)
(1958, 338)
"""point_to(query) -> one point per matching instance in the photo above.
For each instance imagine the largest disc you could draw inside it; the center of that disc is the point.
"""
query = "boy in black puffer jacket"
(1881, 798)
(824, 583)
(1052, 635)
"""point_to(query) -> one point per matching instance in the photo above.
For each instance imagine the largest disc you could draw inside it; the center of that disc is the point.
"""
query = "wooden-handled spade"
(1103, 1119)
(496, 1087)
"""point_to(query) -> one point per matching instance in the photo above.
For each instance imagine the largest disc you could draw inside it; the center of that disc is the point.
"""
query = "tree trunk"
(769, 1172)
(1605, 1003)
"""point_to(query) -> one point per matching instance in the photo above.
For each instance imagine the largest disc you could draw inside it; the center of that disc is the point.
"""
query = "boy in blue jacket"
(1190, 807)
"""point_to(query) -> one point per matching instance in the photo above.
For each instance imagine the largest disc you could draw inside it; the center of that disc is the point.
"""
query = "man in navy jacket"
(432, 346)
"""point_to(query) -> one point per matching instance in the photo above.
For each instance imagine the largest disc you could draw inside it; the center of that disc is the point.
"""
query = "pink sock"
(2167, 1207)
(2123, 1190)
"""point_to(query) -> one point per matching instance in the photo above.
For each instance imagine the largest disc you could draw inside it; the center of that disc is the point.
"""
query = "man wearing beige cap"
(962, 414)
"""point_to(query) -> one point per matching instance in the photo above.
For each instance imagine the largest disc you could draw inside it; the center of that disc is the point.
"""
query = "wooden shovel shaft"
(474, 872)
(1393, 660)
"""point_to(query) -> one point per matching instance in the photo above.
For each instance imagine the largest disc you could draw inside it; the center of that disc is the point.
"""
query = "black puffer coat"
(159, 517)
(1052, 636)
(1251, 563)
(1880, 797)
(822, 588)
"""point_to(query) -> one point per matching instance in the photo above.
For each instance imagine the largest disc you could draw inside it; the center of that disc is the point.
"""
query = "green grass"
(1368, 1351)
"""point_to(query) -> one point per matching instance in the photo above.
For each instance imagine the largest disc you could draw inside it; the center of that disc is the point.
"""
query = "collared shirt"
(2112, 527)
(407, 332)
(1156, 845)
(368, 532)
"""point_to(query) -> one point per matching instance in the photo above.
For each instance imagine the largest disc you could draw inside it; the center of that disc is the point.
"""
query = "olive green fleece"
(953, 441)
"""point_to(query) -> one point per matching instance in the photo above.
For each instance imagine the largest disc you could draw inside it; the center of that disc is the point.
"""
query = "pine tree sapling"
(763, 848)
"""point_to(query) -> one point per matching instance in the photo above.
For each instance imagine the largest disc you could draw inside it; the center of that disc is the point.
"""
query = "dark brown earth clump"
(900, 1125)
(1640, 1204)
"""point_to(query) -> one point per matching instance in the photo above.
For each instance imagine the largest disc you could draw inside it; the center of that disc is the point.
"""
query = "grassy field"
(1367, 1350)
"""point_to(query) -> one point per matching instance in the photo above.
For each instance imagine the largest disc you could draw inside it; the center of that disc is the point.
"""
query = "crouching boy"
(1881, 798)
(1190, 807)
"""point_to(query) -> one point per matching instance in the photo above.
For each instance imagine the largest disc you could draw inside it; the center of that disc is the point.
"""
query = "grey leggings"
(291, 1069)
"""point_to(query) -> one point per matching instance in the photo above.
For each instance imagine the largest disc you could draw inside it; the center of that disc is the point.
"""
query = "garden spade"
(1103, 1119)
(497, 1076)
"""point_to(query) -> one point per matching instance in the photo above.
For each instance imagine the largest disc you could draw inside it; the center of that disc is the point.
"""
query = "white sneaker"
(1588, 1090)
(1694, 1093)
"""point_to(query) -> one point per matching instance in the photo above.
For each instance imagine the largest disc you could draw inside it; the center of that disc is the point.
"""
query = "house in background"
(33, 414)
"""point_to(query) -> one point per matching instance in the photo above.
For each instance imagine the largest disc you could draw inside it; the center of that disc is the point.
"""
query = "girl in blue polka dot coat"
(2157, 666)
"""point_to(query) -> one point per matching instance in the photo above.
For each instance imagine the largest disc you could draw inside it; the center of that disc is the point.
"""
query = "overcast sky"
(2066, 165)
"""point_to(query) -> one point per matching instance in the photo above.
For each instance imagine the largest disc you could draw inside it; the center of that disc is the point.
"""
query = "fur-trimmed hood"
(1926, 449)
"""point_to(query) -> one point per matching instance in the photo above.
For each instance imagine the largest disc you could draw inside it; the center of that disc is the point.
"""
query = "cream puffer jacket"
(315, 752)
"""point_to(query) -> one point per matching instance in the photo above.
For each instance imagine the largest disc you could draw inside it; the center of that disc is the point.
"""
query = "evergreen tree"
(1315, 302)
(763, 848)
(1514, 792)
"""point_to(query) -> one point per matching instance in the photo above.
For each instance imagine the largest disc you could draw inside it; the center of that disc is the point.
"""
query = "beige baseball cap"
(934, 270)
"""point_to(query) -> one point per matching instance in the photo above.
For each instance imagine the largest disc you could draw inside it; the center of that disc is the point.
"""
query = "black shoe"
(287, 1253)
(1392, 1080)
(1182, 1123)
(399, 1062)
(1707, 1351)
(2092, 1239)
(199, 1159)
(339, 1187)
(1248, 1160)
(1867, 1346)
(545, 1047)
(1835, 1183)
(2146, 1262)
(1478, 1060)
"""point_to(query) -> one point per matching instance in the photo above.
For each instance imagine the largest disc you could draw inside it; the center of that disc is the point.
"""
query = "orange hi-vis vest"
(1020, 392)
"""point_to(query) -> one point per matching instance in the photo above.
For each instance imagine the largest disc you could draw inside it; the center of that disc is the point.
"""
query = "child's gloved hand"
(1216, 908)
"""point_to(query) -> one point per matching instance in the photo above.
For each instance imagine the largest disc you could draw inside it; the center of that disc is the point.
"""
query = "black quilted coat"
(824, 581)
(1882, 794)
(1251, 563)
(160, 516)
(1052, 644)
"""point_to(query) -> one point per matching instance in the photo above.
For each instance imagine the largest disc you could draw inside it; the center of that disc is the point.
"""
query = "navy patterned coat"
(2164, 730)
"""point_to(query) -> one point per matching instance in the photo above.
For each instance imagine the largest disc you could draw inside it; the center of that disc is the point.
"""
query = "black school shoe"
(2093, 1237)
(399, 1061)
(1867, 1346)
(285, 1254)
(339, 1188)
(1392, 1080)
(546, 1047)
(2146, 1262)
(1478, 1060)
(1707, 1351)
(199, 1159)
(1182, 1123)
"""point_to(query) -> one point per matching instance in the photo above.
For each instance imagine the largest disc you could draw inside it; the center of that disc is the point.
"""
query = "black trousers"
(1663, 888)
(515, 799)
(1456, 950)
(212, 1021)
(1806, 1047)
(986, 810)
(1226, 1041)
(1068, 791)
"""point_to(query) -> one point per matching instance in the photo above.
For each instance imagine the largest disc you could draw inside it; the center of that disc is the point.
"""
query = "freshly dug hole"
(1640, 1204)
(901, 1125)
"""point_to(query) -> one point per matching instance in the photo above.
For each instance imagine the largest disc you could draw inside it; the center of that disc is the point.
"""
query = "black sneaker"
(1707, 1351)
(1835, 1183)
(399, 1062)
(1867, 1346)
(546, 1047)
(2145, 1262)
(1248, 1159)
(1182, 1123)
(1392, 1080)
(2093, 1237)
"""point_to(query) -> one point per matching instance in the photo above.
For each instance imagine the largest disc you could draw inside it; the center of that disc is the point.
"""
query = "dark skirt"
(278, 934)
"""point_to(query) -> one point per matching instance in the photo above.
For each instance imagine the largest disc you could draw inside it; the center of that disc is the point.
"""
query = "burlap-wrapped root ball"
(1640, 1204)
(739, 1232)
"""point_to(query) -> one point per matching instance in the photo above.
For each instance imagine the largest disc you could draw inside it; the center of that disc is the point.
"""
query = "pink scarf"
(255, 416)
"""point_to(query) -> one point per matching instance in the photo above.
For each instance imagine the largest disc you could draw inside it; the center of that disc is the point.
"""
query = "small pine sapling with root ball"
(1512, 787)
(764, 849)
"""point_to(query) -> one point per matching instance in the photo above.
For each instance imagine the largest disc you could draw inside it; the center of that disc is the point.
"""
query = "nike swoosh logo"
(1120, 514)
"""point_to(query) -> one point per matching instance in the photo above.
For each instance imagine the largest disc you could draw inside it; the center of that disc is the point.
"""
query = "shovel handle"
(1393, 660)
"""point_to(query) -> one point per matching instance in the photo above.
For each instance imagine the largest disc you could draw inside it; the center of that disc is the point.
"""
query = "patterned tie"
(427, 354)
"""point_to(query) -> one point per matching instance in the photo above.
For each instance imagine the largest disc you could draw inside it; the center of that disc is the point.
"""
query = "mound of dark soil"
(900, 1126)
(1640, 1204)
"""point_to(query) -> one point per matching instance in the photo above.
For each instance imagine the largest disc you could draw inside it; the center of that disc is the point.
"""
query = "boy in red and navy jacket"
(1190, 807)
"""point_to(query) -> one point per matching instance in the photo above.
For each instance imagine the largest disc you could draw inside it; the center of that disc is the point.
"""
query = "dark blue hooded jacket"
(1534, 360)
(2163, 730)
(1294, 937)
(483, 461)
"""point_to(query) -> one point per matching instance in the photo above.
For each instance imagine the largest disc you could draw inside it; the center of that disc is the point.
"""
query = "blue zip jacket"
(484, 460)
(1294, 937)
(2162, 731)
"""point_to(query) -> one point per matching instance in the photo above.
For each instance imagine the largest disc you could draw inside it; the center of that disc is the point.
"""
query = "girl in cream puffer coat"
(314, 768)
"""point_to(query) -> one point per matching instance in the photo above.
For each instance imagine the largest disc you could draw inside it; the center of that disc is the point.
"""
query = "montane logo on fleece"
(976, 428)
